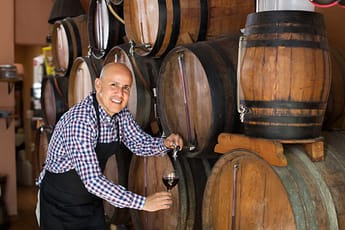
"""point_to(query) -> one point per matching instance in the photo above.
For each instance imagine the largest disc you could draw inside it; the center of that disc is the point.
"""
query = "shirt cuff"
(137, 201)
(163, 149)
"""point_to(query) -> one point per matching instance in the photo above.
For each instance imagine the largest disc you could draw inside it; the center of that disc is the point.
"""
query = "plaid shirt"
(73, 144)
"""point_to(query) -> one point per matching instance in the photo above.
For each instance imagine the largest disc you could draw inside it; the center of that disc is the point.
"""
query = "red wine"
(170, 182)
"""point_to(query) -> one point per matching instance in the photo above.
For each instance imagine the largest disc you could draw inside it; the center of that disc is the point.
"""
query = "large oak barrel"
(197, 92)
(145, 178)
(335, 111)
(54, 99)
(116, 170)
(69, 41)
(104, 30)
(158, 26)
(246, 192)
(285, 74)
(81, 81)
(43, 136)
(145, 72)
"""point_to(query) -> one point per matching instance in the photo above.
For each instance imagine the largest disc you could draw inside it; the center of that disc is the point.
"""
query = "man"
(72, 184)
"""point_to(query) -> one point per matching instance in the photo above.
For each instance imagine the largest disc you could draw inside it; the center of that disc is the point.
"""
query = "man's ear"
(97, 84)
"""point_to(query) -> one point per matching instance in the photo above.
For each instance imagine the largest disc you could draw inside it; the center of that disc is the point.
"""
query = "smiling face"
(113, 87)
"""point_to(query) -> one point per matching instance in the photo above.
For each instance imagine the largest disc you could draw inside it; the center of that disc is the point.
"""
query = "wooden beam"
(270, 150)
(314, 147)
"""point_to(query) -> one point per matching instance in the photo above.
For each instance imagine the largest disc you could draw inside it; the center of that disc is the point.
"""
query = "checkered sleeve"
(137, 140)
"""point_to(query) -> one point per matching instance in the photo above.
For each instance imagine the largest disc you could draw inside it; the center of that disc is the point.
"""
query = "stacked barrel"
(196, 74)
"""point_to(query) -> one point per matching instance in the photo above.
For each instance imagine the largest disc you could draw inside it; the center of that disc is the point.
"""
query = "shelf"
(11, 81)
(8, 116)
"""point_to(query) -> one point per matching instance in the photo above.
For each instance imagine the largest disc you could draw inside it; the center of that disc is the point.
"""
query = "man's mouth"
(117, 101)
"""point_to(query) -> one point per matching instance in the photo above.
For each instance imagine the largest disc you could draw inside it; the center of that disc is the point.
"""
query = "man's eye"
(127, 89)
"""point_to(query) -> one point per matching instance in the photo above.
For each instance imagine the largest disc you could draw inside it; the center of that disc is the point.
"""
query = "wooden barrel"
(54, 99)
(245, 191)
(159, 26)
(81, 80)
(284, 74)
(116, 170)
(43, 136)
(69, 41)
(197, 92)
(142, 99)
(145, 178)
(104, 30)
(335, 111)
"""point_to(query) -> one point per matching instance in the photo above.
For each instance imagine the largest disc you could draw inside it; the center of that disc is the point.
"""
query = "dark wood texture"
(116, 170)
(197, 92)
(54, 99)
(335, 111)
(145, 178)
(165, 24)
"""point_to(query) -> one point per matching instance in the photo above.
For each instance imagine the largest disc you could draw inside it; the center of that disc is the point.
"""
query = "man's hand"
(173, 140)
(158, 201)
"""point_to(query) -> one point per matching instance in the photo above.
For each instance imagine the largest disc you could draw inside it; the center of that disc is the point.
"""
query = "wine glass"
(170, 179)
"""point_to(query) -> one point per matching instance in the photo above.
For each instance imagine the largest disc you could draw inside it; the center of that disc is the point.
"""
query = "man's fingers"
(158, 201)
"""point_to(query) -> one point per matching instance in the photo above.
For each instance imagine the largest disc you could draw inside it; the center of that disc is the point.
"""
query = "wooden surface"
(270, 150)
(195, 22)
(69, 41)
(285, 84)
(200, 78)
(145, 178)
(246, 192)
(116, 170)
(335, 111)
(252, 197)
(82, 78)
(54, 99)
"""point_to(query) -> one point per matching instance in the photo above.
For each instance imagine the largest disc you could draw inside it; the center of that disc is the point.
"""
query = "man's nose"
(119, 89)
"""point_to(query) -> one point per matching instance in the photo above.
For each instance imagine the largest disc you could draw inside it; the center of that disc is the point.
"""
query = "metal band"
(285, 43)
(285, 104)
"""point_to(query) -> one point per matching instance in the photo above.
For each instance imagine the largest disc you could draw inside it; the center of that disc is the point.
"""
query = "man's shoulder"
(80, 112)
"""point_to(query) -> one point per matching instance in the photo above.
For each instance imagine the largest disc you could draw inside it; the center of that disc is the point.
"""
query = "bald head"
(113, 67)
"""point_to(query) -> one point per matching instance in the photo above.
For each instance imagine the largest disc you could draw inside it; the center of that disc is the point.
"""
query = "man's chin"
(117, 109)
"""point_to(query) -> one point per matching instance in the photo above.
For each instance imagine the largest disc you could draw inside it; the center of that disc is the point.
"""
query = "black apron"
(64, 201)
